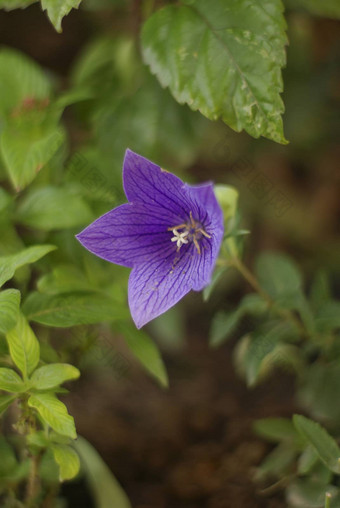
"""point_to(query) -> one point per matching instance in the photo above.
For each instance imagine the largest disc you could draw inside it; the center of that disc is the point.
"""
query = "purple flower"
(169, 233)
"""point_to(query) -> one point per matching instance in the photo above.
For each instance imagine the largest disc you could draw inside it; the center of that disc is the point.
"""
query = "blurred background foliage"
(75, 101)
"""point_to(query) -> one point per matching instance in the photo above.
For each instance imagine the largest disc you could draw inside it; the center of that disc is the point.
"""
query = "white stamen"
(180, 238)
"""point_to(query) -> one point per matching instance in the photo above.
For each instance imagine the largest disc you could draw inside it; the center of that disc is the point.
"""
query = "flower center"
(191, 231)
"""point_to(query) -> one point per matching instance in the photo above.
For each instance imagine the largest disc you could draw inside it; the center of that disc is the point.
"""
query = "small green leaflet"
(9, 309)
(10, 381)
(57, 9)
(9, 264)
(223, 59)
(23, 346)
(53, 375)
(54, 413)
(67, 460)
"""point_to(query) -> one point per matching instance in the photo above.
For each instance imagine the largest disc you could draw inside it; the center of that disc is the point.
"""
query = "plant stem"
(32, 487)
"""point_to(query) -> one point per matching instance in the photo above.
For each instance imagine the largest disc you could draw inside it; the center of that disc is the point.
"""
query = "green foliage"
(71, 309)
(51, 376)
(324, 445)
(57, 9)
(223, 60)
(326, 8)
(9, 309)
(54, 413)
(53, 208)
(9, 264)
(105, 488)
(67, 460)
(10, 381)
(146, 352)
(23, 346)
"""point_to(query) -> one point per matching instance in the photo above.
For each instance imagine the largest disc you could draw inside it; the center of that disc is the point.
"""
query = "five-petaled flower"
(169, 233)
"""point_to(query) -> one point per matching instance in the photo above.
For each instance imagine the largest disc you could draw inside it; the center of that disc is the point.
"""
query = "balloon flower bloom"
(169, 233)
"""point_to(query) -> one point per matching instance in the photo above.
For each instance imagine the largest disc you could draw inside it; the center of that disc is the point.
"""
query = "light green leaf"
(5, 401)
(324, 445)
(21, 79)
(10, 381)
(227, 197)
(57, 9)
(105, 489)
(73, 309)
(146, 351)
(9, 309)
(50, 376)
(278, 274)
(223, 59)
(5, 199)
(50, 208)
(9, 264)
(23, 346)
(223, 326)
(27, 147)
(67, 460)
(54, 413)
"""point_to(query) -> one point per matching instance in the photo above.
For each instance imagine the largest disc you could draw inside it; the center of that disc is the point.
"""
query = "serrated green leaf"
(23, 346)
(278, 275)
(73, 309)
(54, 413)
(324, 445)
(146, 351)
(50, 208)
(51, 376)
(67, 460)
(105, 489)
(9, 264)
(57, 9)
(9, 309)
(21, 79)
(223, 59)
(10, 381)
(6, 401)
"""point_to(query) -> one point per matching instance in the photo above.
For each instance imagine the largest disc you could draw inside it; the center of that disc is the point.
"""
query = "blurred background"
(191, 445)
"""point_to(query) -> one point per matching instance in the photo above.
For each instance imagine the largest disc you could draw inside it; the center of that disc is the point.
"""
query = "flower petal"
(127, 235)
(145, 182)
(207, 210)
(161, 282)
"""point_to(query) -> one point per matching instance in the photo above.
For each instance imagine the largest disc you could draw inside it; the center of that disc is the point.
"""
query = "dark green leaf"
(277, 463)
(278, 275)
(9, 309)
(276, 429)
(223, 326)
(224, 60)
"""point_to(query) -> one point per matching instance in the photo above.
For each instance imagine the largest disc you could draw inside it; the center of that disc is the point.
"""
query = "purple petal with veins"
(169, 233)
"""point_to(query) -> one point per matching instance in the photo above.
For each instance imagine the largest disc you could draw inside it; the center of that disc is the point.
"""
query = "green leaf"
(57, 9)
(8, 460)
(227, 197)
(307, 460)
(54, 413)
(324, 445)
(277, 463)
(9, 309)
(50, 208)
(105, 489)
(275, 429)
(10, 381)
(146, 351)
(223, 59)
(67, 460)
(223, 326)
(23, 346)
(216, 277)
(328, 317)
(6, 401)
(72, 309)
(278, 275)
(51, 376)
(21, 79)
(309, 493)
(28, 146)
(64, 279)
(326, 8)
(9, 264)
